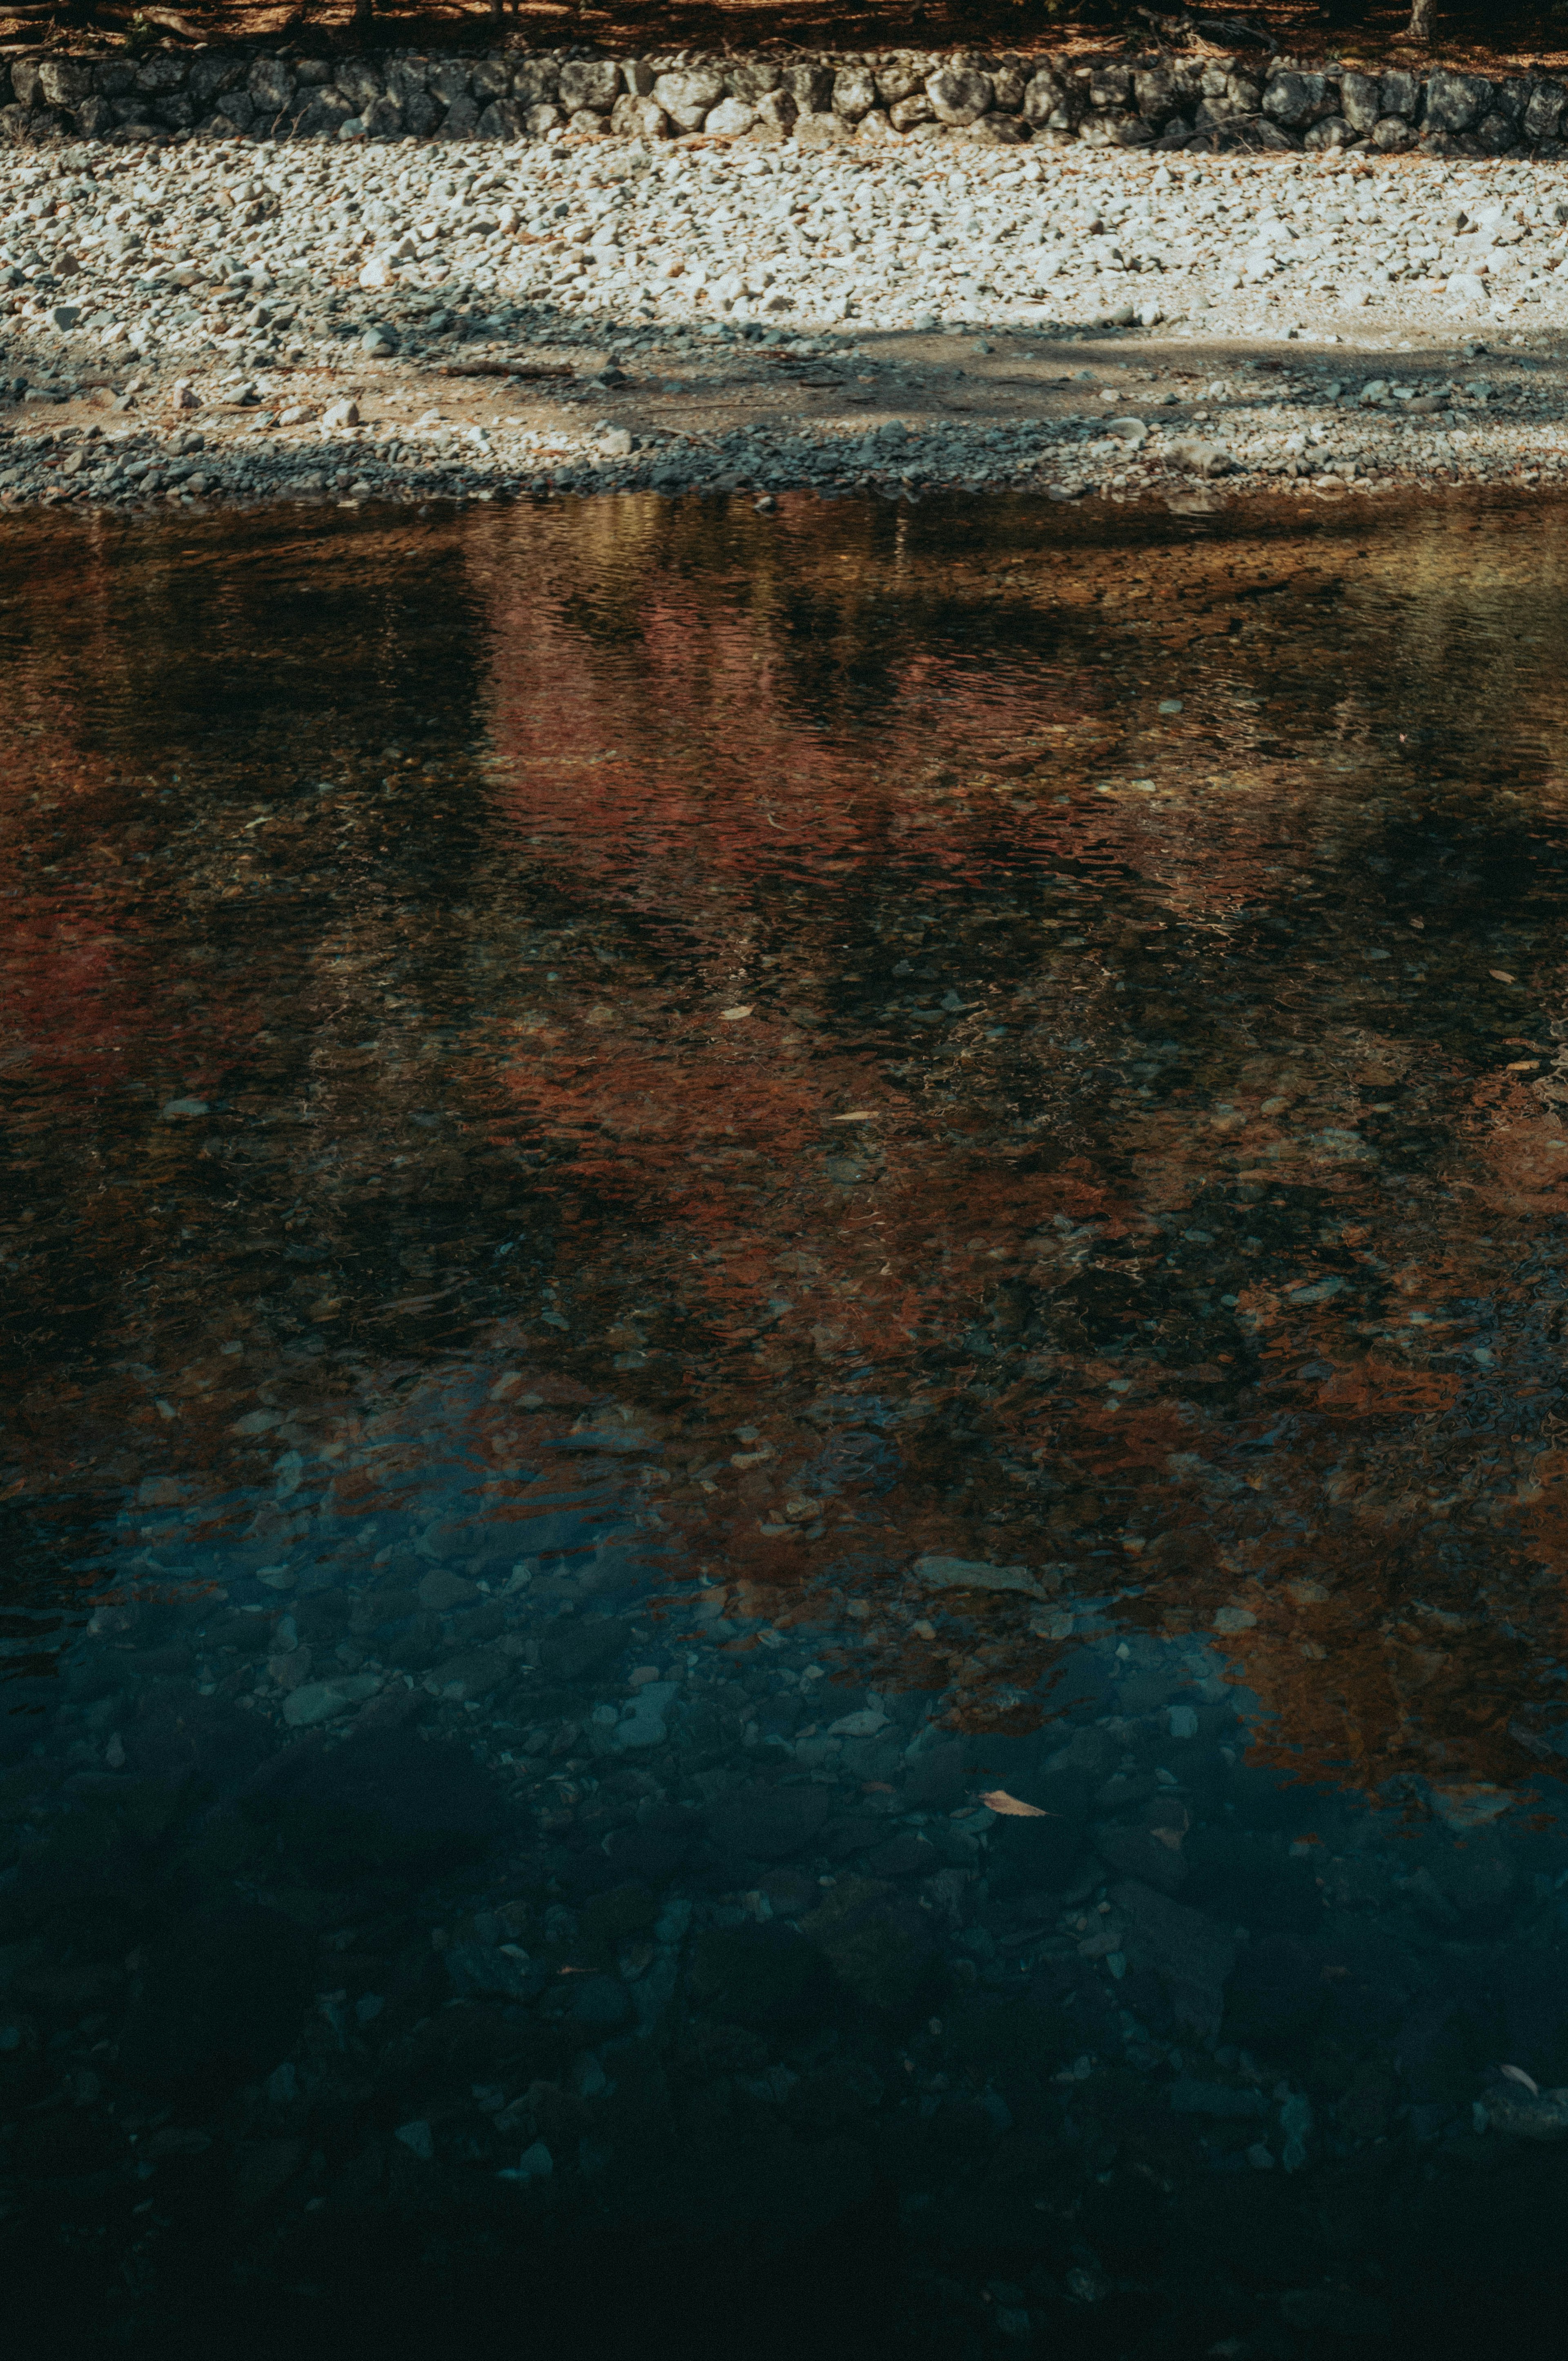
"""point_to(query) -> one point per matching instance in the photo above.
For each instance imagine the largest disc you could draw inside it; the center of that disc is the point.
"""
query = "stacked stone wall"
(1160, 101)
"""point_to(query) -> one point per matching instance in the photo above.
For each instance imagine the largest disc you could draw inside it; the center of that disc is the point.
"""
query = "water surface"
(684, 1190)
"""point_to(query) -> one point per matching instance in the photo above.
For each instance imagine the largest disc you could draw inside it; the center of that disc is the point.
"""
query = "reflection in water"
(684, 1190)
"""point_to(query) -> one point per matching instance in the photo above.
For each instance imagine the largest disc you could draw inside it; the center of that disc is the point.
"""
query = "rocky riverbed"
(356, 320)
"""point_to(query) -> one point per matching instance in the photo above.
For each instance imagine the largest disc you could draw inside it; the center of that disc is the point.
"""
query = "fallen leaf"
(860, 1114)
(733, 1015)
(1008, 1807)
(1501, 973)
(1517, 2074)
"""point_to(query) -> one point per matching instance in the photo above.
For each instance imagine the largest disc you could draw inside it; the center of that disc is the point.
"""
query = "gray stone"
(1532, 2115)
(482, 1970)
(1149, 1847)
(383, 119)
(323, 113)
(776, 110)
(1111, 88)
(1333, 131)
(406, 77)
(209, 75)
(688, 97)
(505, 118)
(1393, 136)
(977, 1574)
(1401, 94)
(573, 1647)
(645, 1724)
(492, 78)
(1188, 2096)
(64, 82)
(1361, 100)
(1114, 131)
(1265, 137)
(539, 119)
(270, 85)
(821, 130)
(221, 2001)
(1457, 102)
(589, 82)
(536, 82)
(878, 1941)
(474, 1674)
(638, 118)
(1190, 1954)
(1199, 458)
(317, 1701)
(1008, 83)
(161, 74)
(440, 1591)
(959, 96)
(764, 1976)
(1544, 111)
(750, 82)
(26, 81)
(854, 93)
(1497, 133)
(449, 82)
(770, 1823)
(906, 111)
(730, 119)
(1298, 99)
(177, 110)
(636, 77)
(1012, 131)
(810, 86)
(601, 2002)
(897, 81)
(1154, 89)
(361, 83)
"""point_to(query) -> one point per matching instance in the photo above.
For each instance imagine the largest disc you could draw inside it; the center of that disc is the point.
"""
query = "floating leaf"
(1009, 1807)
(1517, 2074)
(733, 1015)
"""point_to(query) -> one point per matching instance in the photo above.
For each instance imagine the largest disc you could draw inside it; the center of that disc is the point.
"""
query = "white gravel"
(242, 320)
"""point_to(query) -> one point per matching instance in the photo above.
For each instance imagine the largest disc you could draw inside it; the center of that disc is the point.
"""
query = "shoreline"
(431, 322)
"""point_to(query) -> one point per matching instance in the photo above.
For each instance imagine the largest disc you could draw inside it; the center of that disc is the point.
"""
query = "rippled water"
(783, 1453)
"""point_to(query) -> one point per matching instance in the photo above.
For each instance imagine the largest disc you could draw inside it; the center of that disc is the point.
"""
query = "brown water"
(682, 1190)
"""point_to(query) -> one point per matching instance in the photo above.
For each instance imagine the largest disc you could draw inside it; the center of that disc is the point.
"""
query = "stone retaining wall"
(1161, 101)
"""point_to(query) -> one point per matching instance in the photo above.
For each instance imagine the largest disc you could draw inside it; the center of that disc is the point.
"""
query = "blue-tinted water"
(783, 1471)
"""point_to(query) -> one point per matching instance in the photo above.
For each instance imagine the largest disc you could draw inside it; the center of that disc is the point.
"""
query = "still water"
(784, 1451)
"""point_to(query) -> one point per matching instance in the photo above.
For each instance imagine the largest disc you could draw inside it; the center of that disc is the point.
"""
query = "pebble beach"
(354, 321)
